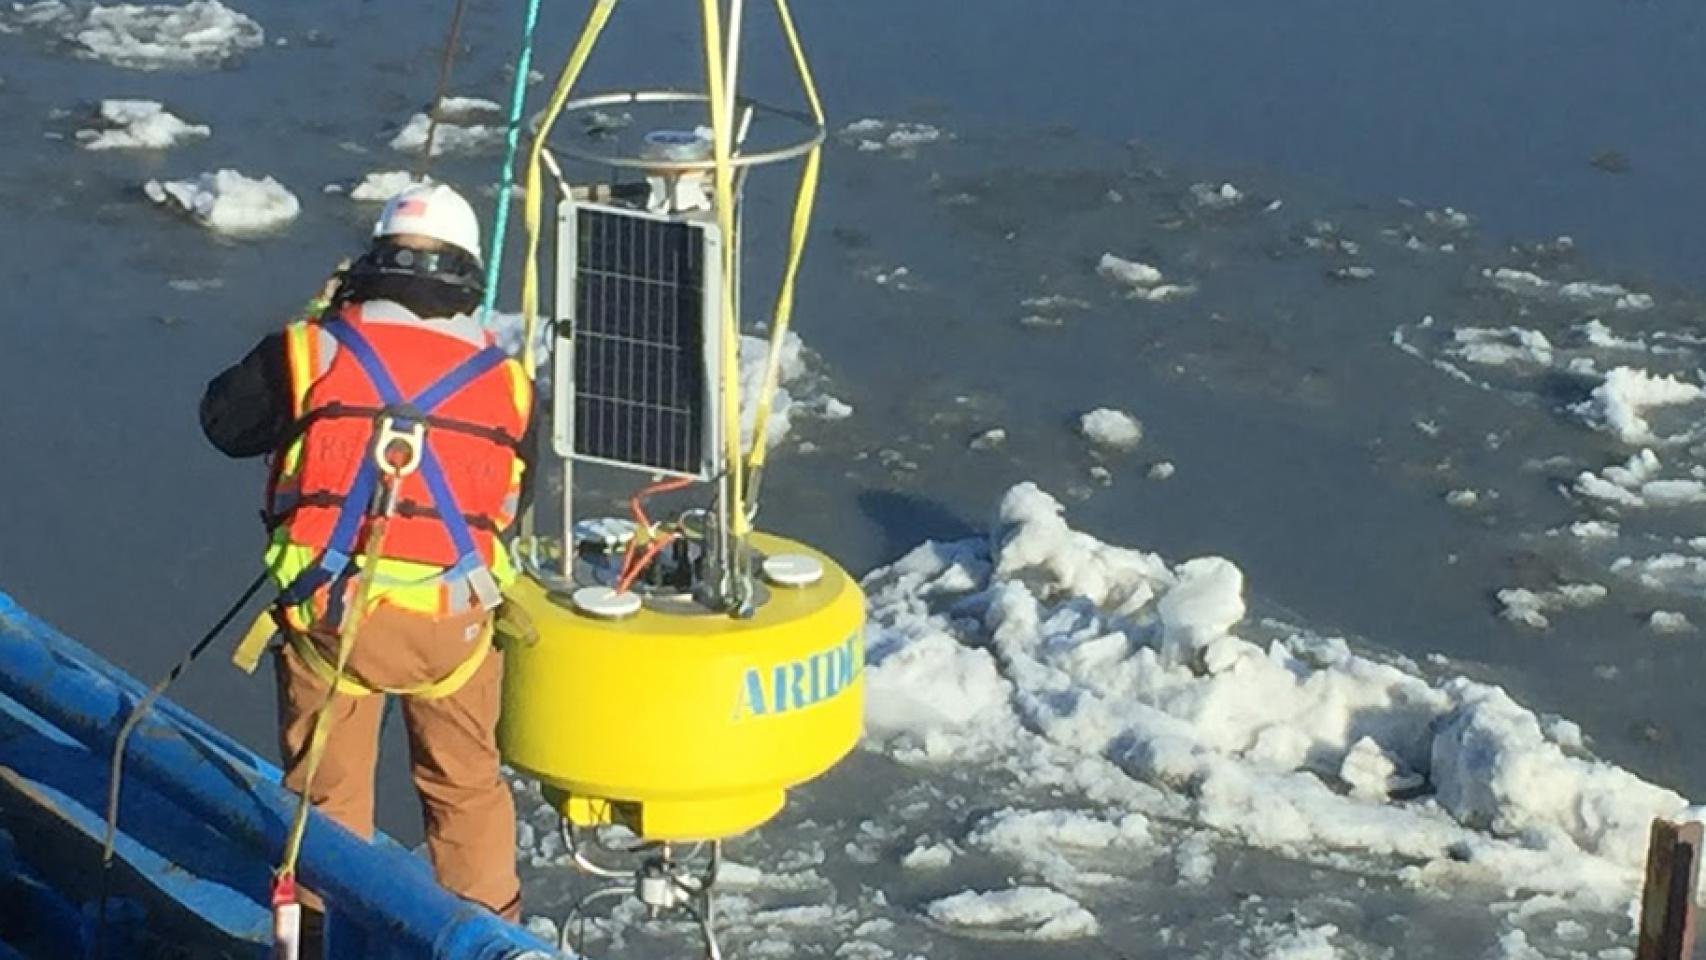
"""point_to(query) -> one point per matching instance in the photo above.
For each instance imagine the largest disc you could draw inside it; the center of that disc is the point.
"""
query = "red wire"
(652, 551)
(664, 486)
(632, 568)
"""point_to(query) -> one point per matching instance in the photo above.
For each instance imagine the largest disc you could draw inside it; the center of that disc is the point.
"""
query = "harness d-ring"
(398, 451)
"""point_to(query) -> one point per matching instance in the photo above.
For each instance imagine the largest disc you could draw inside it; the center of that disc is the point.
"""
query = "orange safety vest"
(379, 360)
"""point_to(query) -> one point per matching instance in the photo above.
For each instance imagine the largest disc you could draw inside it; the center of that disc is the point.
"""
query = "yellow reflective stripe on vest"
(416, 587)
(349, 686)
(299, 349)
(520, 388)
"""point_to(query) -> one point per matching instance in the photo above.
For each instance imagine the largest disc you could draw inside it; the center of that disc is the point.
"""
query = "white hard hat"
(431, 210)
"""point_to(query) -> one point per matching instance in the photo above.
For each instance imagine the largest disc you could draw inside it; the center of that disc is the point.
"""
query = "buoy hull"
(686, 726)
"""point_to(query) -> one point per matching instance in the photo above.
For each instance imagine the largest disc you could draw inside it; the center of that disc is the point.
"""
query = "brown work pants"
(453, 753)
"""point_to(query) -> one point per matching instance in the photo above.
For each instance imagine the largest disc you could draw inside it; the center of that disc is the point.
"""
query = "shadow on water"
(907, 519)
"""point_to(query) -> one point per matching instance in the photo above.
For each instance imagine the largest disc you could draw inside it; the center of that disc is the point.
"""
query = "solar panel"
(640, 342)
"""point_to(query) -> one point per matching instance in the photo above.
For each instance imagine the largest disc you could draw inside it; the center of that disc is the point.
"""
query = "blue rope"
(500, 228)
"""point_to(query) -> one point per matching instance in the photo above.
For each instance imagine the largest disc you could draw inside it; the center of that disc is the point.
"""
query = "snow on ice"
(139, 125)
(228, 202)
(1075, 664)
(147, 37)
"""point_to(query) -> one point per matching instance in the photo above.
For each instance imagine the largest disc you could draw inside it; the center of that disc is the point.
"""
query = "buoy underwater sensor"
(669, 680)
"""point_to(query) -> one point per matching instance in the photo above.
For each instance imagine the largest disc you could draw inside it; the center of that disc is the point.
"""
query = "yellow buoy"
(680, 723)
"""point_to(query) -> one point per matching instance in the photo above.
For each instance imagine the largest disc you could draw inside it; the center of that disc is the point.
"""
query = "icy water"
(1321, 433)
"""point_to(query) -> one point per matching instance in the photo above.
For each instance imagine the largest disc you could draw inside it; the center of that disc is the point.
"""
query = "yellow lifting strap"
(803, 203)
(716, 77)
(347, 632)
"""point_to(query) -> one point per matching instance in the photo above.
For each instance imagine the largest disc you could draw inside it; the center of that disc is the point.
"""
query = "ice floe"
(147, 36)
(1463, 499)
(1619, 402)
(1066, 660)
(799, 392)
(1664, 572)
(1315, 943)
(1043, 839)
(872, 135)
(1450, 218)
(1527, 283)
(1669, 621)
(1529, 607)
(928, 856)
(381, 185)
(1597, 334)
(1497, 347)
(1222, 197)
(139, 125)
(1027, 912)
(466, 125)
(1635, 483)
(228, 202)
(1141, 281)
(1111, 429)
(1194, 859)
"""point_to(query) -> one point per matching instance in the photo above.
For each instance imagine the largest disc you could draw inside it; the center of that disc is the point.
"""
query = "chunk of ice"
(1110, 428)
(139, 125)
(1033, 913)
(200, 33)
(228, 202)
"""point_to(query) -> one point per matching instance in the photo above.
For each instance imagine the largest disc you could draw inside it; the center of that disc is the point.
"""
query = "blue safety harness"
(413, 413)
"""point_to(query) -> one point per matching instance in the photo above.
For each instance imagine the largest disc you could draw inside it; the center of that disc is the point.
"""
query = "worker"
(398, 320)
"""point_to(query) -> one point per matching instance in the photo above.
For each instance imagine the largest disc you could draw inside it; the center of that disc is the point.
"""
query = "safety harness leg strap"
(349, 686)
